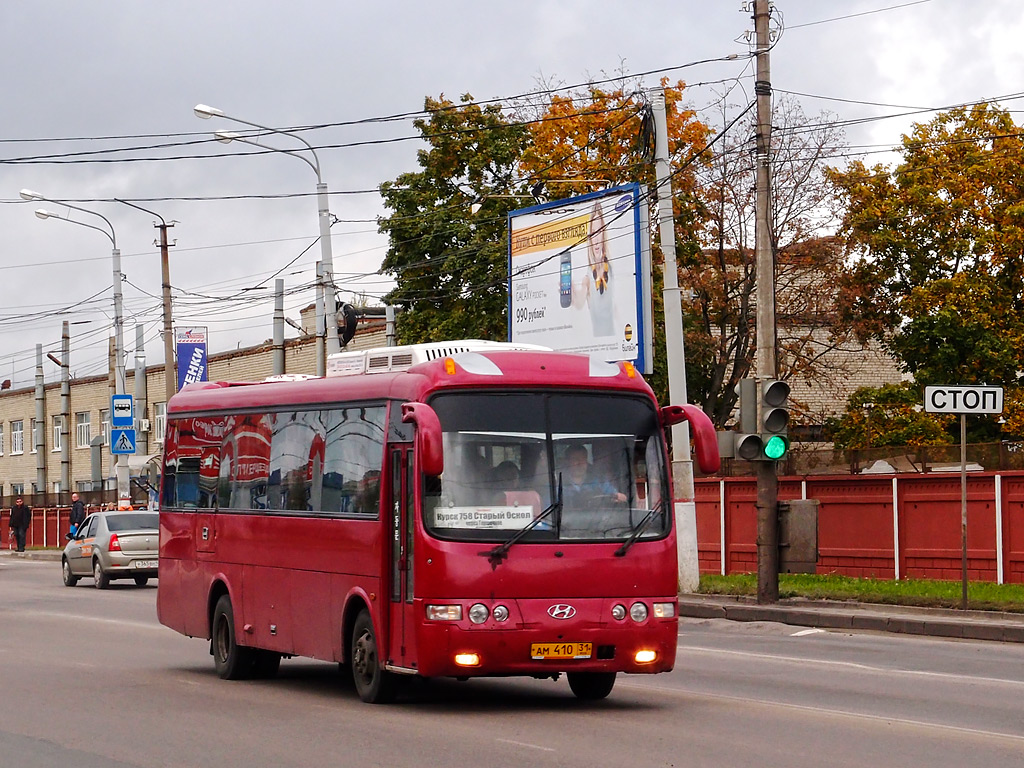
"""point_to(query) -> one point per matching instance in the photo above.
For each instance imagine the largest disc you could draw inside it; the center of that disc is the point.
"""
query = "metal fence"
(823, 459)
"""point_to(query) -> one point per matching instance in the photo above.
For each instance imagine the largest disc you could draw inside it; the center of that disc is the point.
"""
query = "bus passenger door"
(401, 485)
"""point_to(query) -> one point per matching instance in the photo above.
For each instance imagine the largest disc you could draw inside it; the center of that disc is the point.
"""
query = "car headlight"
(444, 612)
(478, 613)
(664, 610)
(638, 612)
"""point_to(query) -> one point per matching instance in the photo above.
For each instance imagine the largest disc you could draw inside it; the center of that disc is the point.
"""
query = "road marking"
(804, 632)
(96, 619)
(804, 661)
(524, 744)
(945, 727)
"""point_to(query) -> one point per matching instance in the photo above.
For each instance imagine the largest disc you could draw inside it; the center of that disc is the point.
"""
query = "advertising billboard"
(191, 351)
(580, 275)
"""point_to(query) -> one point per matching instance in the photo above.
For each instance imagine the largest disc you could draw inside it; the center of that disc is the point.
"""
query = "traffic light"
(748, 444)
(774, 420)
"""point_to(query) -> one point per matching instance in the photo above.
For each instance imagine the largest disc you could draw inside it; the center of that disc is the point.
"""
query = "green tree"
(890, 415)
(450, 266)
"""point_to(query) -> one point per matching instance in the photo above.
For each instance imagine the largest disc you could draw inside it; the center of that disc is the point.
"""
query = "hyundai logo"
(561, 611)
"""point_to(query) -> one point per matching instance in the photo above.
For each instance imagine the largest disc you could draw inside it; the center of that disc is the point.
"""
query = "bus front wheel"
(373, 684)
(591, 685)
(233, 661)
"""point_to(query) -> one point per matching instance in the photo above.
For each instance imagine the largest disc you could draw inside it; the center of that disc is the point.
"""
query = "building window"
(105, 425)
(17, 489)
(160, 420)
(17, 437)
(34, 432)
(58, 432)
(1, 440)
(83, 485)
(83, 429)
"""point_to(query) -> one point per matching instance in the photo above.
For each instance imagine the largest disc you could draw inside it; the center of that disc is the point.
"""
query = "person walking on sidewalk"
(77, 513)
(21, 519)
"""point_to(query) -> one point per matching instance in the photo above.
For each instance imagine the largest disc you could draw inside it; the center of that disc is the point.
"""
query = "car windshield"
(505, 455)
(133, 521)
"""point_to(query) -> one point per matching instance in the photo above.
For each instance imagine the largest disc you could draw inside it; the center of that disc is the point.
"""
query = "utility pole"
(65, 412)
(682, 464)
(767, 477)
(170, 373)
(170, 370)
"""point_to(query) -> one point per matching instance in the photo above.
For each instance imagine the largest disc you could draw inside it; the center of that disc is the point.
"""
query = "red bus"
(456, 510)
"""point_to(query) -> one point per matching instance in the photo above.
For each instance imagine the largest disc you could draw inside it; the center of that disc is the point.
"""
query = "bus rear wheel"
(373, 684)
(232, 661)
(591, 685)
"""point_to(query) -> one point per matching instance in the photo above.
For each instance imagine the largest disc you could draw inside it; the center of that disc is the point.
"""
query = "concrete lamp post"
(327, 332)
(121, 463)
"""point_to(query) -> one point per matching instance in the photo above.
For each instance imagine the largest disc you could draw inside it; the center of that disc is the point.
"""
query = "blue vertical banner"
(191, 352)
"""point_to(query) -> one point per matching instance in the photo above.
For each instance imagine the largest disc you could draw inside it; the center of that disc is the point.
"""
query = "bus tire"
(373, 684)
(591, 685)
(232, 661)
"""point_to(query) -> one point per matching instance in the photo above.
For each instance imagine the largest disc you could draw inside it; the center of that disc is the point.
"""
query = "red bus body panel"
(294, 579)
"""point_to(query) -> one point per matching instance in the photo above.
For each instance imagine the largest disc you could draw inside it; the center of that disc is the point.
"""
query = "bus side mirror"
(428, 436)
(704, 437)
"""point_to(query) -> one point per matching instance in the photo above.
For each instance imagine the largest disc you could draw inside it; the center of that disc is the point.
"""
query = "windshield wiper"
(500, 552)
(639, 529)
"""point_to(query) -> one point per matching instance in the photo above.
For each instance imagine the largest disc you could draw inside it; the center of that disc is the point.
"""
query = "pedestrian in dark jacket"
(21, 519)
(77, 513)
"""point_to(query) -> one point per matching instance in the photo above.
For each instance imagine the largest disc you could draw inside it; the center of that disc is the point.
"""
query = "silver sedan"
(113, 545)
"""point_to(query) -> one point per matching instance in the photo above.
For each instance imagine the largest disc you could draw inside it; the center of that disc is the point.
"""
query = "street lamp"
(328, 329)
(170, 377)
(121, 460)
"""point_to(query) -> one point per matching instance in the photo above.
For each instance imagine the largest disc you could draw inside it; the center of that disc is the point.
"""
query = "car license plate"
(561, 650)
(145, 563)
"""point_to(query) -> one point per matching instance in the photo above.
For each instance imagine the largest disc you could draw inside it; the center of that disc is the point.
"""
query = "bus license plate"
(145, 563)
(561, 650)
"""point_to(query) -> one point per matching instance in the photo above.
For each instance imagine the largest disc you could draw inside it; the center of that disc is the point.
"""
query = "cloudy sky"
(98, 104)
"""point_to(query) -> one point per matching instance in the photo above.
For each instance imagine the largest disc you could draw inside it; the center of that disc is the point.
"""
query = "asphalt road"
(88, 678)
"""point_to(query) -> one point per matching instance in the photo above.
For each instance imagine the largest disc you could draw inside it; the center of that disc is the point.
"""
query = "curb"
(972, 625)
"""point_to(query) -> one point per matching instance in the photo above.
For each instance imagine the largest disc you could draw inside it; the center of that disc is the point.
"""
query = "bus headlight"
(638, 612)
(500, 613)
(478, 613)
(467, 659)
(664, 610)
(619, 612)
(444, 613)
(645, 656)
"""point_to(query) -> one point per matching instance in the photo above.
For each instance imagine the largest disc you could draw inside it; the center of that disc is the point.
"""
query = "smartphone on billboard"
(565, 279)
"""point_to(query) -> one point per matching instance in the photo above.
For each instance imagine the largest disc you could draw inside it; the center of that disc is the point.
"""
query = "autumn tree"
(720, 266)
(594, 137)
(939, 246)
(450, 266)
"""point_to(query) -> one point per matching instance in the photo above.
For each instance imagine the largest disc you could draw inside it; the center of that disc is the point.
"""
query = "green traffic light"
(775, 447)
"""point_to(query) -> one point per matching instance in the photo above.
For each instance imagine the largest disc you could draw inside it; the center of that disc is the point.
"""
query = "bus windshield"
(506, 455)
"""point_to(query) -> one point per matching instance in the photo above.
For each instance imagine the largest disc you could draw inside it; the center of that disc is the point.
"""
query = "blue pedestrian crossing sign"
(122, 441)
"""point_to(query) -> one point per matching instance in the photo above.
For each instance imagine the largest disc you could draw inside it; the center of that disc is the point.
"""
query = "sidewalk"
(34, 554)
(938, 622)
